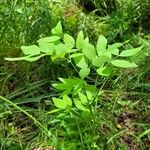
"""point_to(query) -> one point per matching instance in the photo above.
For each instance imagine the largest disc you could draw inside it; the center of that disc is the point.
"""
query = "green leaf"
(86, 40)
(53, 111)
(82, 63)
(61, 48)
(80, 40)
(89, 51)
(100, 61)
(50, 39)
(77, 59)
(130, 52)
(114, 46)
(61, 55)
(89, 95)
(115, 51)
(61, 86)
(104, 71)
(69, 40)
(85, 114)
(57, 30)
(68, 84)
(91, 88)
(47, 48)
(107, 54)
(76, 55)
(67, 100)
(31, 50)
(123, 63)
(84, 72)
(59, 103)
(101, 45)
(79, 105)
(83, 98)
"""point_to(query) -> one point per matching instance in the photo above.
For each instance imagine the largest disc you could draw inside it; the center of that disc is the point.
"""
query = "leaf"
(53, 111)
(61, 48)
(99, 61)
(79, 105)
(59, 103)
(123, 63)
(31, 50)
(77, 59)
(115, 51)
(60, 51)
(60, 86)
(84, 72)
(67, 100)
(101, 45)
(68, 84)
(130, 52)
(91, 88)
(76, 55)
(80, 40)
(107, 54)
(50, 39)
(83, 98)
(69, 40)
(89, 51)
(104, 71)
(57, 30)
(86, 40)
(89, 95)
(82, 63)
(114, 46)
(61, 55)
(47, 48)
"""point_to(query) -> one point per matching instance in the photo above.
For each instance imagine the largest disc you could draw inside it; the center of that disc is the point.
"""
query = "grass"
(121, 114)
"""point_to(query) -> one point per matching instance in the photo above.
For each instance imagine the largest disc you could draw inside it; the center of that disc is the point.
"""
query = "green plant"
(86, 56)
(78, 98)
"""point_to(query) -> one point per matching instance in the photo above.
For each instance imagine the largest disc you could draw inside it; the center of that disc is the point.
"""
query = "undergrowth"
(69, 102)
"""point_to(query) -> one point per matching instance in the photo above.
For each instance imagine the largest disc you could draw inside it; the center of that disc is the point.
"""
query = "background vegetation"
(123, 112)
